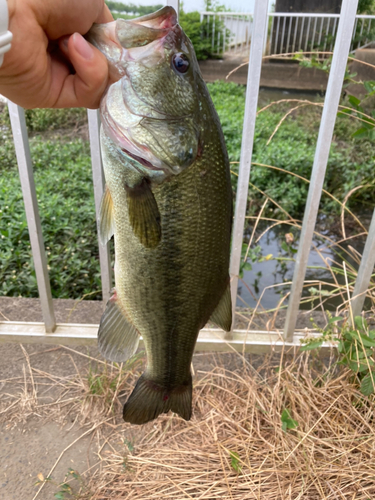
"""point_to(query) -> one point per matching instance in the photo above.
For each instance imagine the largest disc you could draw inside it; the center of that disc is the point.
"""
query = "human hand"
(50, 65)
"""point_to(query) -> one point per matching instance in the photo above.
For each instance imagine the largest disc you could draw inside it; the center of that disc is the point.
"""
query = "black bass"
(168, 201)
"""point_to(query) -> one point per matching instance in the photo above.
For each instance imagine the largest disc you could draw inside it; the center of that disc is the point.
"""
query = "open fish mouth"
(137, 121)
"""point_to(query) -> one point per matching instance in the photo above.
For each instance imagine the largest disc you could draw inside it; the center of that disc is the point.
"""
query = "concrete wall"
(290, 76)
(364, 71)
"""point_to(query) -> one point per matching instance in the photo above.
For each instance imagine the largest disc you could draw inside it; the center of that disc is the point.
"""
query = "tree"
(366, 7)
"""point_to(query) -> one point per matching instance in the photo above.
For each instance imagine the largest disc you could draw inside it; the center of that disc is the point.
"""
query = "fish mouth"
(125, 40)
(126, 115)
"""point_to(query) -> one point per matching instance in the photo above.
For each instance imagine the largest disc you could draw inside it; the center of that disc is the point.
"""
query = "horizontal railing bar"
(209, 339)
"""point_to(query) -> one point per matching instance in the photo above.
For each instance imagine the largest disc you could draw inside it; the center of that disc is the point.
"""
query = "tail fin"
(149, 399)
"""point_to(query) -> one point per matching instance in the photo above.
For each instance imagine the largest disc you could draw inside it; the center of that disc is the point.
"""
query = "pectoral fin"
(106, 223)
(117, 337)
(222, 315)
(144, 214)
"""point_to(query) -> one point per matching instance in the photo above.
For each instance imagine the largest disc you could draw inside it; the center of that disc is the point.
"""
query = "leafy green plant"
(195, 30)
(248, 257)
(356, 347)
(200, 34)
(235, 461)
(131, 8)
(64, 190)
(327, 334)
(287, 423)
(367, 122)
(366, 7)
(65, 489)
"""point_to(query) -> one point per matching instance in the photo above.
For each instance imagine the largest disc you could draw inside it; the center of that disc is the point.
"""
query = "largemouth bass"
(168, 201)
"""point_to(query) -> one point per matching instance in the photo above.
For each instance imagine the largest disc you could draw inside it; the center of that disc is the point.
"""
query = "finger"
(85, 88)
(105, 16)
(69, 16)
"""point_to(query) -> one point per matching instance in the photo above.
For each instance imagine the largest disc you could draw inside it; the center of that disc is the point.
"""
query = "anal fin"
(118, 338)
(222, 315)
(106, 223)
(144, 214)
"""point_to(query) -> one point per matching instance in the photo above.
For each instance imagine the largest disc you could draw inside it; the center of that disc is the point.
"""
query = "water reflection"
(267, 279)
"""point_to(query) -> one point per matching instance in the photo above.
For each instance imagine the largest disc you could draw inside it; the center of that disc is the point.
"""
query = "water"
(266, 282)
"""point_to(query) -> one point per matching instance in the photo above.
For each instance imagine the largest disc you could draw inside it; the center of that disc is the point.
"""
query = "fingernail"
(83, 48)
(64, 42)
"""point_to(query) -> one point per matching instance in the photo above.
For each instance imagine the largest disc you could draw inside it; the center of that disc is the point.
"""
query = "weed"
(287, 423)
(235, 461)
(66, 490)
(356, 347)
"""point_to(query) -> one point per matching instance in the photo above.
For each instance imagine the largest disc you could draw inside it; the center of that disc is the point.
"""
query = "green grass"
(66, 203)
(351, 162)
(65, 193)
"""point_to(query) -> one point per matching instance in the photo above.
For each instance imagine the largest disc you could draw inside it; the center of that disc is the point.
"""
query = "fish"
(168, 201)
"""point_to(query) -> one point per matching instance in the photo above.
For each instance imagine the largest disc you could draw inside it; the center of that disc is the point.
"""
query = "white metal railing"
(209, 339)
(286, 32)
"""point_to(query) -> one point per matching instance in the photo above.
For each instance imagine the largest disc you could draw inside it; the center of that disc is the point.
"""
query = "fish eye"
(180, 62)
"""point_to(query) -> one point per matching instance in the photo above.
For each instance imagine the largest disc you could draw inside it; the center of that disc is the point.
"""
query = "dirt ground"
(49, 424)
(31, 444)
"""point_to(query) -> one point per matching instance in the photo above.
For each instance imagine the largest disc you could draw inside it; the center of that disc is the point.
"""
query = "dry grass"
(90, 396)
(234, 447)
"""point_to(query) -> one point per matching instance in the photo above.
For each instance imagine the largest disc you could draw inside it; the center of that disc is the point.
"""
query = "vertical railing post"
(266, 36)
(252, 92)
(365, 271)
(99, 183)
(21, 143)
(331, 103)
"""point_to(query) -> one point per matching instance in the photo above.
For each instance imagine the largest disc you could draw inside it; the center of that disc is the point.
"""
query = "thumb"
(86, 86)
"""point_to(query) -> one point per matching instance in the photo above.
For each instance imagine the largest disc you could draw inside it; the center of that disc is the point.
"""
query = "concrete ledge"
(289, 76)
(364, 72)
